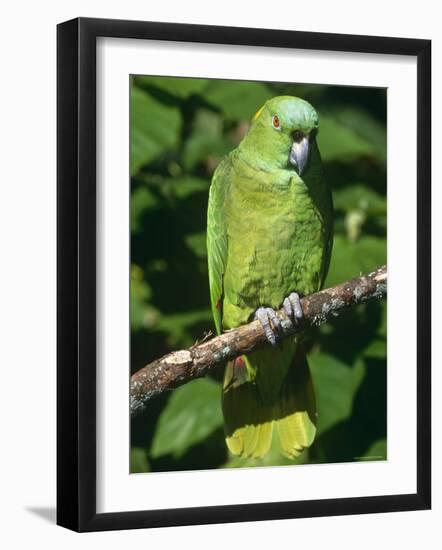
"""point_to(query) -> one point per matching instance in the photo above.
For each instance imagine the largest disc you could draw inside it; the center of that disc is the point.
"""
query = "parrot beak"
(299, 153)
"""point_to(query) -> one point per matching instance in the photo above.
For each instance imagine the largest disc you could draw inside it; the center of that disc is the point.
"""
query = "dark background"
(180, 129)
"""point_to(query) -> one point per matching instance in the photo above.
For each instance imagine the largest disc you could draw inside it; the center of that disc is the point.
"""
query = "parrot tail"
(249, 420)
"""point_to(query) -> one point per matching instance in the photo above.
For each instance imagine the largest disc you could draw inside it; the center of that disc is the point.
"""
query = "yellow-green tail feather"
(250, 421)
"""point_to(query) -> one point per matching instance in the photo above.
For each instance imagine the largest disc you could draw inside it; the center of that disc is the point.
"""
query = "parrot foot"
(292, 307)
(269, 322)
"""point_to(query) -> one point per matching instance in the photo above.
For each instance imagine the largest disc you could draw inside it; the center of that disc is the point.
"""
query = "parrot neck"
(258, 151)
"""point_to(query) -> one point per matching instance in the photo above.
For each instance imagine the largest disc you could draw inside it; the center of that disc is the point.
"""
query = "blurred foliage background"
(180, 129)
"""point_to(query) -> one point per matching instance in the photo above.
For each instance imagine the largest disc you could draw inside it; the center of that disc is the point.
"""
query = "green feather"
(217, 239)
(269, 233)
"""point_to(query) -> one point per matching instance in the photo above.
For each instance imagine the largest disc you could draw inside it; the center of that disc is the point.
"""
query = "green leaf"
(338, 142)
(208, 122)
(335, 385)
(377, 451)
(142, 314)
(180, 87)
(361, 204)
(366, 126)
(239, 100)
(206, 140)
(377, 349)
(359, 197)
(192, 413)
(138, 461)
(200, 147)
(154, 128)
(178, 325)
(175, 187)
(196, 242)
(141, 201)
(351, 259)
(185, 186)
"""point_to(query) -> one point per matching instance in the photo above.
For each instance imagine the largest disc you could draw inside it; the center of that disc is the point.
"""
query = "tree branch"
(177, 368)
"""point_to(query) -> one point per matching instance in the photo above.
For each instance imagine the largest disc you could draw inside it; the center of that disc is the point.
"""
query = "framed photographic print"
(228, 202)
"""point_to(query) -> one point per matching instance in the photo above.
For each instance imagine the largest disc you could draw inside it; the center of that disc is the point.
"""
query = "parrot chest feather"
(276, 236)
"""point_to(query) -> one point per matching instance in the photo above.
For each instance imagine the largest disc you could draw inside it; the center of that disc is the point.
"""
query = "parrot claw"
(292, 307)
(270, 323)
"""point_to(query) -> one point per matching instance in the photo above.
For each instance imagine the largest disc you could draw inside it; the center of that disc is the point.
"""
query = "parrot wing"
(217, 238)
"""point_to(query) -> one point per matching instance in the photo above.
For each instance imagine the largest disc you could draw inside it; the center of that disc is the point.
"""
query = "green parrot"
(269, 241)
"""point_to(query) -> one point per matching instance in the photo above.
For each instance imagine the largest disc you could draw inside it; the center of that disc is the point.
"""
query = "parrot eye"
(276, 123)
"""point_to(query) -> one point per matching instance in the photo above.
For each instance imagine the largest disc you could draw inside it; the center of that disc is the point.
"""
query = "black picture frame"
(76, 273)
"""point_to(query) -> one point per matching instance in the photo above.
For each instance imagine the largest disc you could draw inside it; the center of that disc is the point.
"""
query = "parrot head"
(282, 133)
